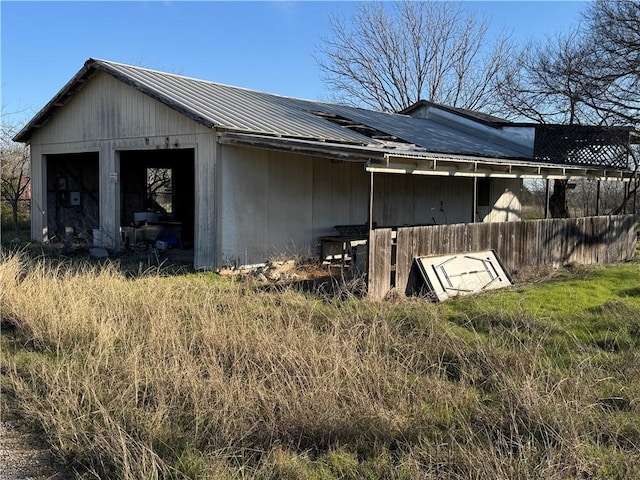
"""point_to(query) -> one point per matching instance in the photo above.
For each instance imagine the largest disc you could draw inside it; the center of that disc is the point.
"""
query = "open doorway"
(73, 205)
(157, 196)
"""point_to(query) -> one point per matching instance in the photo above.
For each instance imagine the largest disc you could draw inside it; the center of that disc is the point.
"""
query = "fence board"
(553, 242)
(379, 263)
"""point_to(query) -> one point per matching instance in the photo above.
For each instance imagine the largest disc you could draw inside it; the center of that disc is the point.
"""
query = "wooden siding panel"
(407, 242)
(38, 195)
(207, 204)
(107, 109)
(276, 203)
(109, 198)
(245, 209)
(290, 212)
(420, 200)
(340, 195)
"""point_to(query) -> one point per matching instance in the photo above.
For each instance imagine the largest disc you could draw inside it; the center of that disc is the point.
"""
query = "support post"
(474, 207)
(208, 214)
(370, 201)
(39, 171)
(546, 200)
(109, 195)
(370, 243)
(598, 199)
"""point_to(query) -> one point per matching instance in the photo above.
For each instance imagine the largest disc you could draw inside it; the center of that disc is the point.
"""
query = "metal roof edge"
(338, 151)
(515, 163)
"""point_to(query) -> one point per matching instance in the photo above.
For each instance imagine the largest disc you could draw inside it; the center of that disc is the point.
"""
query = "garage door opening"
(73, 206)
(157, 197)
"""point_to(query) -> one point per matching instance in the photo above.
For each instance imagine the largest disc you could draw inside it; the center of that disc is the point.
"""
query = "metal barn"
(124, 152)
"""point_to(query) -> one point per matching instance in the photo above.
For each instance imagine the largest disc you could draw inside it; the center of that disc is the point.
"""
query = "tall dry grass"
(198, 377)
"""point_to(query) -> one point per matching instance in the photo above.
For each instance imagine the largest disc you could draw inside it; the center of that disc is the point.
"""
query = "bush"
(24, 221)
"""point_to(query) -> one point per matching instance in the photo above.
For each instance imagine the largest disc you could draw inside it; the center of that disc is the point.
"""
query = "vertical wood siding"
(107, 109)
(379, 264)
(277, 203)
(38, 195)
(554, 242)
(207, 203)
(108, 116)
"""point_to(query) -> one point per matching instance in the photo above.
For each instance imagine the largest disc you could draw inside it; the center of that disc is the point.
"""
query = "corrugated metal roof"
(243, 110)
(232, 107)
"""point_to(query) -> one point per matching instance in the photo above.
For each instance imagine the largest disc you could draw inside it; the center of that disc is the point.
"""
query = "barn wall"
(275, 203)
(107, 116)
(420, 199)
(107, 109)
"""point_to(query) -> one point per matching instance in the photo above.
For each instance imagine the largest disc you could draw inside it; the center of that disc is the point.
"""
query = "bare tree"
(588, 76)
(614, 34)
(159, 189)
(614, 40)
(545, 82)
(390, 56)
(14, 173)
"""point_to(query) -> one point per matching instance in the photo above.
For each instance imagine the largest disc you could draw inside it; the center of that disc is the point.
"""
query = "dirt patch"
(22, 457)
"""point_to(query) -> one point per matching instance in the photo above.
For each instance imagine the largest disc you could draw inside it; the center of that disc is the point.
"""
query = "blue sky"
(266, 46)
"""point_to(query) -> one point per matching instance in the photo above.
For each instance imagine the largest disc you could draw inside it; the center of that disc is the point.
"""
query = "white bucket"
(97, 238)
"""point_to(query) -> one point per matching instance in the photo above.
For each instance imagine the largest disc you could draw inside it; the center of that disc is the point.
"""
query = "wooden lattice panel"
(605, 147)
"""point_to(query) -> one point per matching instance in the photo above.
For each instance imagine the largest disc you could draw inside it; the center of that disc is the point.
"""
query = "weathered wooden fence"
(553, 242)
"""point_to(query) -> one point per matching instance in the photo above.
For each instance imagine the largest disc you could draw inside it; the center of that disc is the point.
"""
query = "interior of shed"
(157, 198)
(73, 207)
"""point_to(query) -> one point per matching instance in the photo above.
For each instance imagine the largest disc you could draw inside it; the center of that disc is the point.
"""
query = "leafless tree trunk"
(391, 56)
(14, 173)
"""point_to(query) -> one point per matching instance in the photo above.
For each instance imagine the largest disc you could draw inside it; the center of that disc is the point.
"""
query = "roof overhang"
(335, 151)
(383, 160)
(461, 166)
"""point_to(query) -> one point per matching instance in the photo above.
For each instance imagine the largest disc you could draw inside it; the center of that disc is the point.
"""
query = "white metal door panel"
(448, 276)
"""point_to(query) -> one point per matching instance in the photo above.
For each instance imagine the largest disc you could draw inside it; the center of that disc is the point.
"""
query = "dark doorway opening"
(73, 205)
(158, 189)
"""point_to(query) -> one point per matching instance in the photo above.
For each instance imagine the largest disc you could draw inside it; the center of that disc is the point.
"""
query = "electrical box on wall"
(74, 199)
